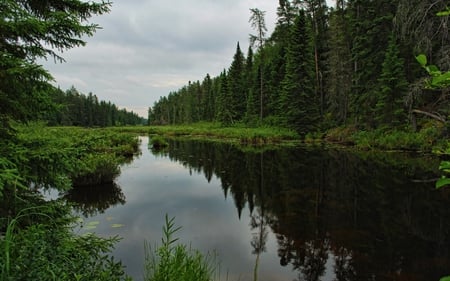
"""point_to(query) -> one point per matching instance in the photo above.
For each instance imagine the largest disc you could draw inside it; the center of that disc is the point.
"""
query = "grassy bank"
(430, 137)
(36, 237)
(215, 132)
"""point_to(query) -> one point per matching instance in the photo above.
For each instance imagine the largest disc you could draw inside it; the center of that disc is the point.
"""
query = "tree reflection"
(95, 199)
(350, 215)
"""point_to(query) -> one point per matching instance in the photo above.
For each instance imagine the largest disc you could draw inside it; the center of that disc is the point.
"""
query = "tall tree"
(339, 75)
(258, 22)
(317, 10)
(298, 100)
(390, 109)
(371, 23)
(237, 87)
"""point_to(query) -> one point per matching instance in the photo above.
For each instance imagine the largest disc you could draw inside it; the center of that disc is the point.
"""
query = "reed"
(172, 261)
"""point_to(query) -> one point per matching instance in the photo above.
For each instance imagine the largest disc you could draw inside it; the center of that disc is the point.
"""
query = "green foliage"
(438, 78)
(389, 108)
(39, 244)
(298, 103)
(61, 157)
(172, 261)
(32, 30)
(77, 109)
(158, 142)
(383, 139)
(214, 131)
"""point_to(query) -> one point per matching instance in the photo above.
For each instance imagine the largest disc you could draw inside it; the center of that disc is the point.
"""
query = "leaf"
(443, 13)
(92, 225)
(117, 225)
(422, 59)
(442, 182)
(444, 165)
(447, 278)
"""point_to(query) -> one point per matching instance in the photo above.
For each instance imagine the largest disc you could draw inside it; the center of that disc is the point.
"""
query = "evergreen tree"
(208, 103)
(389, 108)
(224, 111)
(237, 87)
(298, 101)
(31, 30)
(370, 26)
(339, 75)
(258, 22)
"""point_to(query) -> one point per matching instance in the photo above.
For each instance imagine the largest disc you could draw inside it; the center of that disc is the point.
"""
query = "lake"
(298, 213)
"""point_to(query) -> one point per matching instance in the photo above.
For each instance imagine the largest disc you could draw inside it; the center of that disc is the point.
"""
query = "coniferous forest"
(77, 109)
(351, 65)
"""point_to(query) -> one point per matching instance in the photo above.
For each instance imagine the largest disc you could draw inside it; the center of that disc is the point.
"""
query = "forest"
(353, 65)
(77, 109)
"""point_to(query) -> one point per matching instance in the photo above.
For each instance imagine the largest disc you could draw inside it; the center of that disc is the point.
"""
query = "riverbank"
(430, 138)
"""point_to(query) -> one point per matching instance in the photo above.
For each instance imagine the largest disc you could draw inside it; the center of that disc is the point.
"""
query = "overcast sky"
(148, 48)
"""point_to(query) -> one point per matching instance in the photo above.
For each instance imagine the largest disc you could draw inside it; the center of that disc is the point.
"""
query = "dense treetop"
(350, 65)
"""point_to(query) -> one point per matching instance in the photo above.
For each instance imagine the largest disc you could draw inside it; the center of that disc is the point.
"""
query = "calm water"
(302, 213)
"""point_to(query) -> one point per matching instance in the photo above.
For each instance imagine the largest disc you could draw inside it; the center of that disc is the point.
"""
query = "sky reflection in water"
(154, 186)
(323, 214)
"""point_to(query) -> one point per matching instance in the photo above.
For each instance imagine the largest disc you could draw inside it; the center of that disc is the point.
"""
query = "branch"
(429, 114)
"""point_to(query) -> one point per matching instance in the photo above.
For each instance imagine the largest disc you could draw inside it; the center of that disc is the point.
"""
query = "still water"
(280, 214)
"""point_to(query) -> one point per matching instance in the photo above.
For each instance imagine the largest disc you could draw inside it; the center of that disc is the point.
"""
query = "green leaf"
(422, 59)
(116, 225)
(442, 182)
(443, 13)
(433, 70)
(444, 165)
(447, 278)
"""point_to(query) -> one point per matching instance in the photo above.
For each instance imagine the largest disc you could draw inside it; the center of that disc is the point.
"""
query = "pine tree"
(257, 20)
(237, 87)
(370, 26)
(389, 108)
(339, 75)
(298, 101)
(224, 114)
(31, 30)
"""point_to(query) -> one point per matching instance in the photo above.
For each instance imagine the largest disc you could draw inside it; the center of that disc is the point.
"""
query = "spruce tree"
(31, 30)
(390, 109)
(298, 103)
(339, 73)
(224, 114)
(237, 87)
(371, 23)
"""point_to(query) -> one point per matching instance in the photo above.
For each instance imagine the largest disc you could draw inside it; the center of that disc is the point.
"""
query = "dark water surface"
(297, 213)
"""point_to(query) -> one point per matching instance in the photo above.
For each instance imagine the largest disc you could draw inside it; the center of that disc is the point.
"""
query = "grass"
(216, 132)
(38, 244)
(172, 262)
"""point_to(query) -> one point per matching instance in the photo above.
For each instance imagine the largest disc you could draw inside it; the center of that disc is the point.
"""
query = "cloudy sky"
(148, 48)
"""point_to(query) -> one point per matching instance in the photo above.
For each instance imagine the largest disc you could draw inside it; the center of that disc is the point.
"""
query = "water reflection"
(95, 199)
(293, 213)
(336, 215)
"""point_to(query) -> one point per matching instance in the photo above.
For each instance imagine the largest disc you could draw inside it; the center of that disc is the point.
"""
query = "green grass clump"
(173, 262)
(158, 142)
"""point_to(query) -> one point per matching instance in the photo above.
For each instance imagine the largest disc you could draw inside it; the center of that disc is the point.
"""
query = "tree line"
(350, 65)
(73, 108)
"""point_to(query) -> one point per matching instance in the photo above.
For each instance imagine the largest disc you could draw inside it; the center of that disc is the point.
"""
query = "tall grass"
(172, 261)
